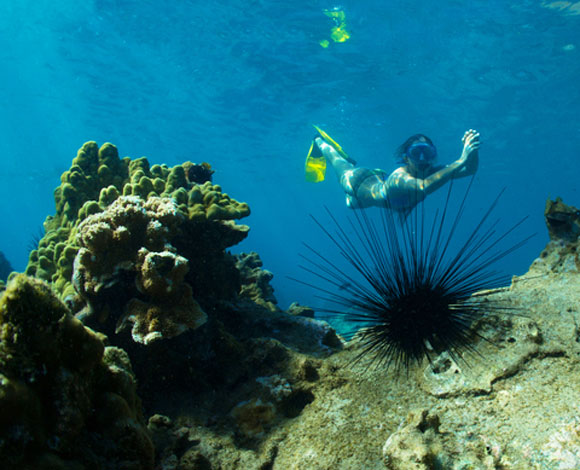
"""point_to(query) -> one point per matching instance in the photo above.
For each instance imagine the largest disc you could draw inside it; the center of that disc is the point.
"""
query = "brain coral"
(139, 240)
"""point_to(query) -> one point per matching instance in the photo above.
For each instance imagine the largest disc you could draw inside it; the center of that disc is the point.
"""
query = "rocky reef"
(135, 340)
(512, 405)
(136, 258)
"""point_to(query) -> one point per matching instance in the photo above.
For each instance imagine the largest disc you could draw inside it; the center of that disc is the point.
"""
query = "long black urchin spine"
(409, 290)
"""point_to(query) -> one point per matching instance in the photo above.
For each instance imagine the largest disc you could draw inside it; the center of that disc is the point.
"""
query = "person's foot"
(316, 152)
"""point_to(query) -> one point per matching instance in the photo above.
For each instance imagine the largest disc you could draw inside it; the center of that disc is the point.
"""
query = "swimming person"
(405, 187)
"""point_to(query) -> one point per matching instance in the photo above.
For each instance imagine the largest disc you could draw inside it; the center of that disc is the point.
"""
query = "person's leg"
(356, 182)
(340, 165)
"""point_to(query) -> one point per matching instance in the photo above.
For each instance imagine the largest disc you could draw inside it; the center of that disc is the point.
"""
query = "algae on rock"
(60, 387)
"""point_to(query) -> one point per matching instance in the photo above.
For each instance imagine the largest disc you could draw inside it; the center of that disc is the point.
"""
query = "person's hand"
(470, 144)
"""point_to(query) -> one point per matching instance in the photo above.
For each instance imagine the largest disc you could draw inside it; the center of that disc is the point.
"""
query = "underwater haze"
(239, 84)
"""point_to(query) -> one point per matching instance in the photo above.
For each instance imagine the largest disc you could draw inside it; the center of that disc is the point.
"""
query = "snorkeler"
(405, 187)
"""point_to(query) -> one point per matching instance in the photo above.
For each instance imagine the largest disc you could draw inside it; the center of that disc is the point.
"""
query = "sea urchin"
(412, 293)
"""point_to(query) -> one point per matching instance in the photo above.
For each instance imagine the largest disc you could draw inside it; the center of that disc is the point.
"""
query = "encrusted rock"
(416, 445)
(66, 401)
(300, 310)
(562, 220)
(256, 281)
(253, 417)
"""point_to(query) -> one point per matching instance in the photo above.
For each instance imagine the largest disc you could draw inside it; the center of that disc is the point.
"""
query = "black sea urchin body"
(412, 293)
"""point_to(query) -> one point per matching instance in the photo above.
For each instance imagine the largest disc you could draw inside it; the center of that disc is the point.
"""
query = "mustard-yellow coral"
(98, 177)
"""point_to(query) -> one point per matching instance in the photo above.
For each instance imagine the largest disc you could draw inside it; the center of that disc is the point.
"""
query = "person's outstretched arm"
(465, 166)
(402, 186)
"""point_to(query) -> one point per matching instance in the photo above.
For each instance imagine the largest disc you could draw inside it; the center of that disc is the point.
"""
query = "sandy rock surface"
(513, 405)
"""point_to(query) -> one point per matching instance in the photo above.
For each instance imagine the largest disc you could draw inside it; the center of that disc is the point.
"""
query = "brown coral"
(129, 245)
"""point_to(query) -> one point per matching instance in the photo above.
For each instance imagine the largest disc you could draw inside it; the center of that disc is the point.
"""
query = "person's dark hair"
(402, 149)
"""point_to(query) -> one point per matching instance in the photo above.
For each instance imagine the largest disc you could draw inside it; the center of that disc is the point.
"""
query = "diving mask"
(421, 153)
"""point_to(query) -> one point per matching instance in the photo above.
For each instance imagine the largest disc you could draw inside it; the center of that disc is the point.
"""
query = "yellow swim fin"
(315, 166)
(330, 141)
(316, 163)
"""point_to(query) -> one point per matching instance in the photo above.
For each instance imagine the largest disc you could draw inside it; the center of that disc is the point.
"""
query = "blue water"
(239, 83)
